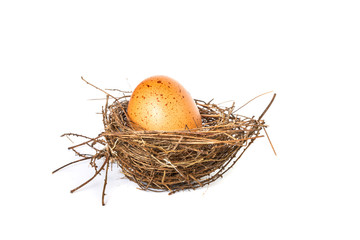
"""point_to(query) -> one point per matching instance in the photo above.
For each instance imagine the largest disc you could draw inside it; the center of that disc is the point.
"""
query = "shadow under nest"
(170, 160)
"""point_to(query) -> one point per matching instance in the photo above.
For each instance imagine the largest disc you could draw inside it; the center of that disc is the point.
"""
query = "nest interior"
(170, 160)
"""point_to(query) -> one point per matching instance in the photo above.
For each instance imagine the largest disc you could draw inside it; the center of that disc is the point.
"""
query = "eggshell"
(161, 103)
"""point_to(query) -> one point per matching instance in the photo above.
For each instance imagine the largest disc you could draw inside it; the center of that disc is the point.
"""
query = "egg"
(161, 103)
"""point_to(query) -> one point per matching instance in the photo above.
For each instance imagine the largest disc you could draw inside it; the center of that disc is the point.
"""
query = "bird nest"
(169, 160)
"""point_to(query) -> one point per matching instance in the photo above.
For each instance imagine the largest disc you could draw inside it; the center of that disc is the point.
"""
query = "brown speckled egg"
(161, 103)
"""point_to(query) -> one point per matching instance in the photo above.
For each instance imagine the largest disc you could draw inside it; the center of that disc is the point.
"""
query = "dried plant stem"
(86, 142)
(96, 173)
(267, 135)
(80, 160)
(105, 180)
(108, 94)
(267, 108)
(252, 100)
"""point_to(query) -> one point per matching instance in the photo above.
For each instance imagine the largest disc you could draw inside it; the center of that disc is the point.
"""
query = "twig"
(116, 99)
(251, 101)
(270, 141)
(109, 89)
(99, 89)
(105, 180)
(97, 172)
(267, 108)
(90, 140)
(83, 159)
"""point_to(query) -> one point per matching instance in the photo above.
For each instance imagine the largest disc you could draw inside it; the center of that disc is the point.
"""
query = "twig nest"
(169, 160)
(178, 160)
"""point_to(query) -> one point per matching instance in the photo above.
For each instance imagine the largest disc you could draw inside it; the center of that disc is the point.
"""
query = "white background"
(308, 52)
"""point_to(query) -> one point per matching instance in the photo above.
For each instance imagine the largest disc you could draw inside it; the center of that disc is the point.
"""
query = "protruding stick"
(83, 159)
(267, 108)
(96, 173)
(105, 180)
